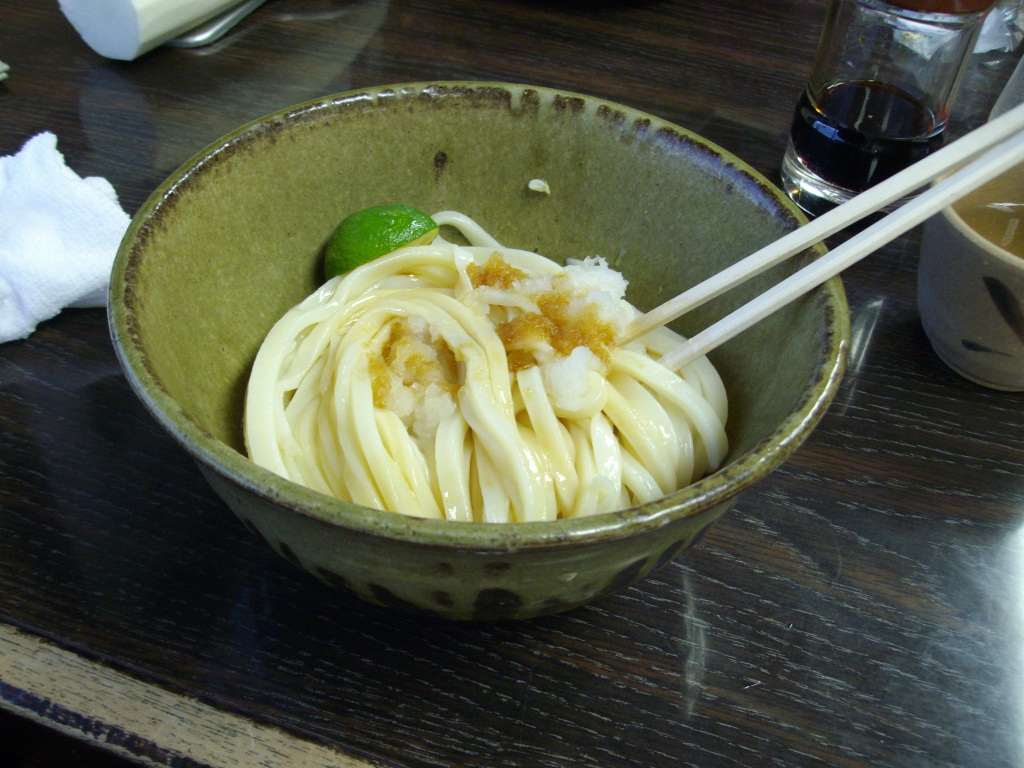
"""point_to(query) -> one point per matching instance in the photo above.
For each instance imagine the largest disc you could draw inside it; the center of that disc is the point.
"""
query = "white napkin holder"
(126, 29)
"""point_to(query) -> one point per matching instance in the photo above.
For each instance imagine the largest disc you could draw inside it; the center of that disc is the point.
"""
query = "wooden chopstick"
(998, 133)
(994, 162)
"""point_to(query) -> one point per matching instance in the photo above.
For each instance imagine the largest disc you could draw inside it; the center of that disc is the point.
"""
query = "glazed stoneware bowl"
(235, 237)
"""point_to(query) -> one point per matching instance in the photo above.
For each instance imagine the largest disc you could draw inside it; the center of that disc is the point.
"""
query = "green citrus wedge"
(372, 232)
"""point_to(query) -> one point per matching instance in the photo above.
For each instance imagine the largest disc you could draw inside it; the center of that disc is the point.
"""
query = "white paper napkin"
(59, 234)
(1002, 28)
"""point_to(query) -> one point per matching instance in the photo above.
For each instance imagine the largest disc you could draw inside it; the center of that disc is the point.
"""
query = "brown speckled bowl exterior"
(235, 237)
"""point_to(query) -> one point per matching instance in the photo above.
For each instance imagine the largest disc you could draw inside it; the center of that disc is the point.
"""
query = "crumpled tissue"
(1001, 30)
(59, 234)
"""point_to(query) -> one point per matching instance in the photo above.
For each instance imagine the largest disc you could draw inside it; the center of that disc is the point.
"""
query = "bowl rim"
(214, 455)
(956, 221)
(991, 248)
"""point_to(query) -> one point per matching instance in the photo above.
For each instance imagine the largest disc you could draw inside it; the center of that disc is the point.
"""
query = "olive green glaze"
(235, 237)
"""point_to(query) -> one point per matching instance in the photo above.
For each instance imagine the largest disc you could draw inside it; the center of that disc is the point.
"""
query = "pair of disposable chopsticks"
(990, 150)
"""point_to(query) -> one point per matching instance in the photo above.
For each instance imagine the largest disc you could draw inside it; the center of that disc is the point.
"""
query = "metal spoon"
(215, 28)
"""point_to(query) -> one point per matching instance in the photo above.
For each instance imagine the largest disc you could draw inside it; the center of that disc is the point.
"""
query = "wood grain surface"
(863, 606)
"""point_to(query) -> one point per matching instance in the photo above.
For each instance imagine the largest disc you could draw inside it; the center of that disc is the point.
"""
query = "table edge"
(139, 721)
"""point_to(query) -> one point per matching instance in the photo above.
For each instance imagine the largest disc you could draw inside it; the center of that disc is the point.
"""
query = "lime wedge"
(372, 232)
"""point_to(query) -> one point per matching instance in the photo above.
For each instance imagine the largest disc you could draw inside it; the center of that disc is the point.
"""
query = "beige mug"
(970, 286)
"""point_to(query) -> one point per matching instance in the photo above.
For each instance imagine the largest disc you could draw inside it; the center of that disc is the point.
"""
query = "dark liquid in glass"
(862, 132)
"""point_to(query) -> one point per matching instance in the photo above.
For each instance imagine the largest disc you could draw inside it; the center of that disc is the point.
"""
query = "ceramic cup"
(970, 288)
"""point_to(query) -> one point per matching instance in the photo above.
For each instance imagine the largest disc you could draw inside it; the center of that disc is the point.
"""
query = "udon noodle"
(479, 383)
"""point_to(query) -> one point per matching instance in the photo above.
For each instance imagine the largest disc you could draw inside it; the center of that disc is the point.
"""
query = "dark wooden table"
(864, 606)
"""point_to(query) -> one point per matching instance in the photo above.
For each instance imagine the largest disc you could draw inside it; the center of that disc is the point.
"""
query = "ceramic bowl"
(235, 237)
